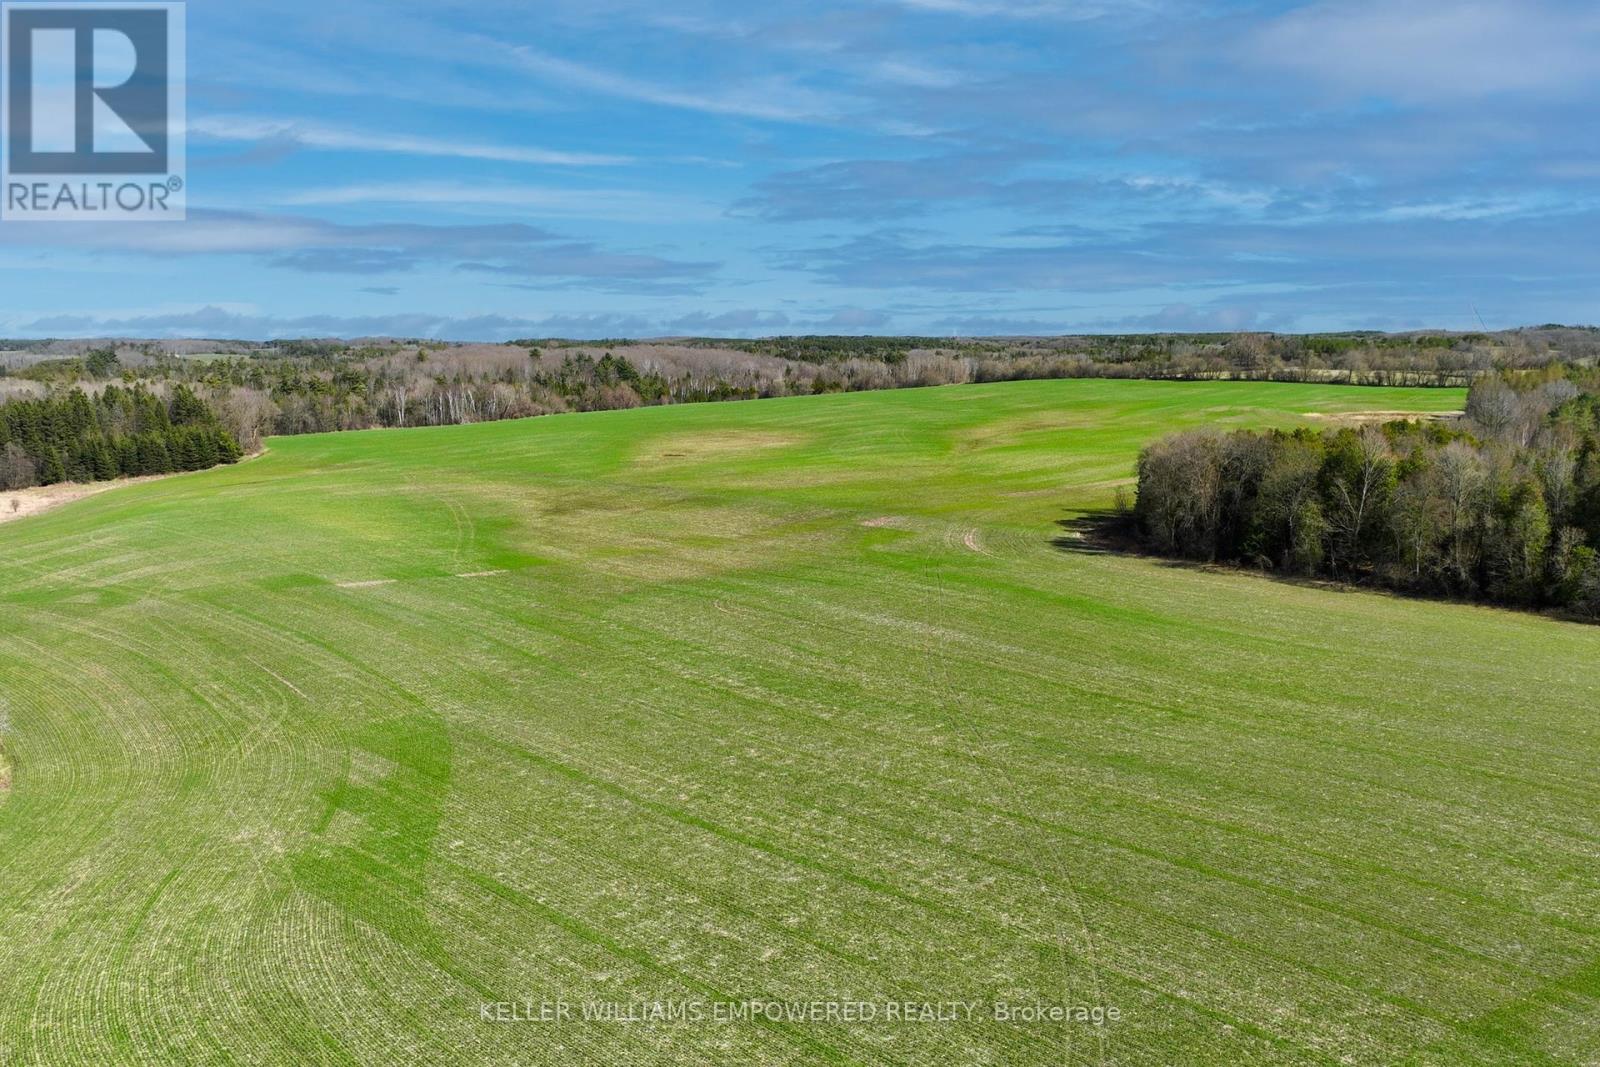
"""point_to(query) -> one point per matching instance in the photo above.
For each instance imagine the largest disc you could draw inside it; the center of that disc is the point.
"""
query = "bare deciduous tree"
(17, 470)
(1358, 484)
(1493, 405)
(1179, 493)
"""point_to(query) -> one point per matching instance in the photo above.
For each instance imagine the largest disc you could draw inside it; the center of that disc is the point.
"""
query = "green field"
(790, 700)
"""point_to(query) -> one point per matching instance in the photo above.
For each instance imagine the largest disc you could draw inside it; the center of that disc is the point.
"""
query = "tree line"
(292, 387)
(1501, 506)
(119, 432)
(318, 389)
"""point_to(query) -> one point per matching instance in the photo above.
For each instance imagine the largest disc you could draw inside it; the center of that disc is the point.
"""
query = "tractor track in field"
(941, 665)
(877, 740)
(1049, 856)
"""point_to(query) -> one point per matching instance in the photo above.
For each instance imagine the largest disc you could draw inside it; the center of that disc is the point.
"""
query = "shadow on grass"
(1115, 532)
(1099, 533)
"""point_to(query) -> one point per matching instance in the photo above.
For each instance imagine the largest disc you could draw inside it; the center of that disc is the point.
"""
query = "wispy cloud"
(854, 319)
(1066, 163)
(1074, 10)
(315, 246)
(1325, 275)
(217, 322)
(742, 322)
(917, 74)
(308, 134)
(1432, 50)
(882, 189)
(772, 98)
(623, 205)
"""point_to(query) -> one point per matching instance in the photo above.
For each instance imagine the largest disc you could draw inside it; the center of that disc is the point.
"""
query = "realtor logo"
(92, 111)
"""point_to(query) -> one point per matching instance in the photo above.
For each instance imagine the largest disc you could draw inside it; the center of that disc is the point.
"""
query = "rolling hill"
(332, 756)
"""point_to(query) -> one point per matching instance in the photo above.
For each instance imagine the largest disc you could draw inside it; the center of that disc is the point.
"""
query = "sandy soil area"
(1381, 416)
(21, 503)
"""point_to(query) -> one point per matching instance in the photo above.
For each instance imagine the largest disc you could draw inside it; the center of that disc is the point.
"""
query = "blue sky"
(491, 169)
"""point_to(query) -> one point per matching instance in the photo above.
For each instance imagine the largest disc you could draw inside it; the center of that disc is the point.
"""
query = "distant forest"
(250, 390)
(1502, 505)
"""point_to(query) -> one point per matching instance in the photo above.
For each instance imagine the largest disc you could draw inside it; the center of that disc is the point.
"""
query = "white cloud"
(231, 322)
(617, 205)
(916, 75)
(1461, 209)
(307, 134)
(513, 250)
(773, 99)
(1079, 10)
(1430, 50)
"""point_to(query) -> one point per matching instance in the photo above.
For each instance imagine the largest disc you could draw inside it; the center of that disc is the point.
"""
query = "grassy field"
(793, 700)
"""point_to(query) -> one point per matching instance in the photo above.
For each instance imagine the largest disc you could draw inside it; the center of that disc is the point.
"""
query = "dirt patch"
(689, 447)
(23, 503)
(1363, 417)
(893, 522)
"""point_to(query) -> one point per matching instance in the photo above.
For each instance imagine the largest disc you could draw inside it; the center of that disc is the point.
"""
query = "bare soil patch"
(1363, 417)
(21, 503)
(696, 446)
